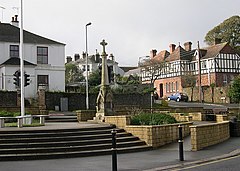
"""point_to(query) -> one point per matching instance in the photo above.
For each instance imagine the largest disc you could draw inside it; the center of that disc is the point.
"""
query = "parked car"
(178, 97)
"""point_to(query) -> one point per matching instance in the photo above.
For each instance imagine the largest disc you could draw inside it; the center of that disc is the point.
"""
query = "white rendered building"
(43, 60)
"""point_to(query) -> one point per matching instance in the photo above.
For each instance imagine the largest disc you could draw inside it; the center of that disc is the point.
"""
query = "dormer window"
(14, 51)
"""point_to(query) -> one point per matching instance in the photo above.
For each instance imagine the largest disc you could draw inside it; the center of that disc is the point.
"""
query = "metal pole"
(114, 150)
(2, 12)
(87, 101)
(21, 59)
(180, 141)
(199, 75)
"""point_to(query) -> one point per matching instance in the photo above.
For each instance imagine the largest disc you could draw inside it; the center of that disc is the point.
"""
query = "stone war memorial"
(105, 97)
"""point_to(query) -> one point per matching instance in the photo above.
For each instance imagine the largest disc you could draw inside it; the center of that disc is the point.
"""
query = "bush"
(9, 114)
(152, 119)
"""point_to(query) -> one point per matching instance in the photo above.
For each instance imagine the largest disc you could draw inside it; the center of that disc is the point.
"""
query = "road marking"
(203, 164)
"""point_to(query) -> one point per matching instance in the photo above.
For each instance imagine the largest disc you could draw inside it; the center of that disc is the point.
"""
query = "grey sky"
(131, 27)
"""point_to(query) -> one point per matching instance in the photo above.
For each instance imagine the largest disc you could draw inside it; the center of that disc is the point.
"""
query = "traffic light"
(16, 78)
(26, 80)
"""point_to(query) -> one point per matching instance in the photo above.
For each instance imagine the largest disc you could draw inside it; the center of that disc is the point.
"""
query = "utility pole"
(199, 73)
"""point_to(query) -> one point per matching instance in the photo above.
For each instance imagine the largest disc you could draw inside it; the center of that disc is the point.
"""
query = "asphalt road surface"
(194, 104)
(228, 164)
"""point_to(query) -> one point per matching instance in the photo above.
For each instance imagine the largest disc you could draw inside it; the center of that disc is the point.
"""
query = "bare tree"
(152, 69)
(189, 80)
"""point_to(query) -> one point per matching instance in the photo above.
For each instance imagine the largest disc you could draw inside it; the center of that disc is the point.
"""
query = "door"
(161, 90)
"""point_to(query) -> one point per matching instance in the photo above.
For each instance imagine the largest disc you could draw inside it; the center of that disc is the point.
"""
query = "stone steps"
(65, 143)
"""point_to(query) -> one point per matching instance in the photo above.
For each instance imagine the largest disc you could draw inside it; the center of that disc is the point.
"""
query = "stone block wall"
(180, 117)
(8, 98)
(155, 136)
(77, 101)
(198, 116)
(158, 135)
(221, 118)
(85, 115)
(219, 94)
(206, 135)
(119, 121)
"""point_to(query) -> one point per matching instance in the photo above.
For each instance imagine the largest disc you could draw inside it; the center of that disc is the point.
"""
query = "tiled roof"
(214, 50)
(180, 54)
(161, 55)
(16, 61)
(10, 33)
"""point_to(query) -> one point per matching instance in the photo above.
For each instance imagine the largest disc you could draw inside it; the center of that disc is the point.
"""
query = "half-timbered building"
(219, 64)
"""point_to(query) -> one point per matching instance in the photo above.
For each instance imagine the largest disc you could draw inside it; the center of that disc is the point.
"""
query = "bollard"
(180, 143)
(114, 150)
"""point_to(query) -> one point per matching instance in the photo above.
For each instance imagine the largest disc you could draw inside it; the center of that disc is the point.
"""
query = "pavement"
(164, 158)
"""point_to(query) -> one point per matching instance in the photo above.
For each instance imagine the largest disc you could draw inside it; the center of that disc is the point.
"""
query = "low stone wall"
(84, 115)
(155, 136)
(197, 116)
(206, 135)
(180, 117)
(119, 121)
(158, 135)
(221, 118)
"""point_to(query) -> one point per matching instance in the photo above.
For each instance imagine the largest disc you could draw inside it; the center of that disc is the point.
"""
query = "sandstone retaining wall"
(209, 134)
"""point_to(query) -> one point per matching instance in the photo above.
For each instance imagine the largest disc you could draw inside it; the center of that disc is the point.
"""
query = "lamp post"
(87, 101)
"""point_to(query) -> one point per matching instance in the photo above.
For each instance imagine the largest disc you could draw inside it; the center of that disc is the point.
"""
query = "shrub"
(152, 119)
(9, 114)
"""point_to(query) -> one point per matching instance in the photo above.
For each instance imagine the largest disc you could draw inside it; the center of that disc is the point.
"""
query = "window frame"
(41, 55)
(14, 53)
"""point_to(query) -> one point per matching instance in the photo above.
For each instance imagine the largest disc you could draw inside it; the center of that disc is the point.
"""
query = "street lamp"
(87, 101)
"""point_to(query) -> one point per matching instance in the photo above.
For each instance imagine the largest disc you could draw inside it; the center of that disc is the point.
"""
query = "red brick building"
(220, 63)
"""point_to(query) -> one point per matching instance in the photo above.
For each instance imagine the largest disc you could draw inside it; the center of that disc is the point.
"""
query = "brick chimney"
(153, 53)
(76, 57)
(172, 48)
(15, 21)
(69, 59)
(84, 55)
(188, 46)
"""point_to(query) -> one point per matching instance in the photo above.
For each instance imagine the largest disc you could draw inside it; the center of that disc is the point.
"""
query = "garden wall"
(219, 94)
(209, 134)
(77, 101)
(155, 136)
(8, 98)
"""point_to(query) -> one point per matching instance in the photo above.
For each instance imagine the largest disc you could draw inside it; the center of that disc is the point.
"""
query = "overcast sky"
(131, 27)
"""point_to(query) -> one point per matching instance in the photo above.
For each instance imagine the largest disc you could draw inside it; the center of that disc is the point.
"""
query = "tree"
(153, 69)
(212, 85)
(234, 91)
(73, 73)
(189, 80)
(227, 31)
(95, 78)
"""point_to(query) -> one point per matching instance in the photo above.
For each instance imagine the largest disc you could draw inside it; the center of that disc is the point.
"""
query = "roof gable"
(16, 61)
(10, 33)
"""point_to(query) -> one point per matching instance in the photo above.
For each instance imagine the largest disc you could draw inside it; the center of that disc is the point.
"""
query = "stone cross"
(104, 44)
(104, 99)
(105, 79)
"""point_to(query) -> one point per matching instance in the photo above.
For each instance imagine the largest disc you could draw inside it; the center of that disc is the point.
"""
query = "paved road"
(227, 164)
(148, 160)
(204, 105)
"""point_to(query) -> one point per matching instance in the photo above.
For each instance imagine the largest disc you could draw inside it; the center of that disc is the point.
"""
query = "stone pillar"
(104, 99)
(42, 99)
(18, 98)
